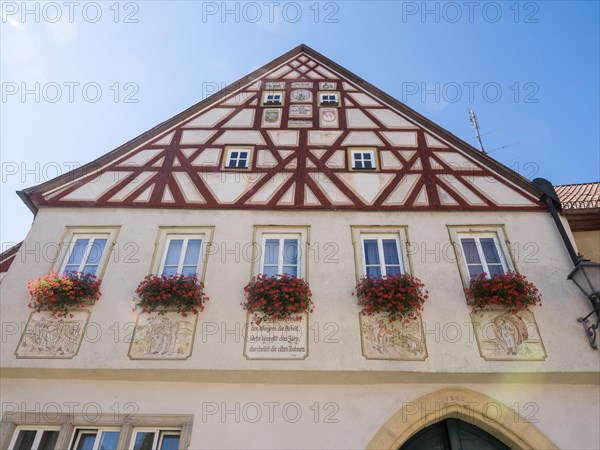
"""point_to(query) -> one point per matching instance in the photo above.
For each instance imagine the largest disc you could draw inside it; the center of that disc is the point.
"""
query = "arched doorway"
(453, 434)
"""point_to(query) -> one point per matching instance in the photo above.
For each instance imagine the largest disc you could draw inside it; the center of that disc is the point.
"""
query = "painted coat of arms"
(505, 336)
(167, 336)
(271, 117)
(382, 339)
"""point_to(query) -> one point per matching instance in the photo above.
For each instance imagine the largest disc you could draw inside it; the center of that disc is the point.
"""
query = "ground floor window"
(107, 432)
(30, 438)
(154, 439)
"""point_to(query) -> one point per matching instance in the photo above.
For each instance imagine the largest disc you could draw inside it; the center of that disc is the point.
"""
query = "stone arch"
(469, 406)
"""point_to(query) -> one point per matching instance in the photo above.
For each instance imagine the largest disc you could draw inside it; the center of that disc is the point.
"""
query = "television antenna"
(473, 120)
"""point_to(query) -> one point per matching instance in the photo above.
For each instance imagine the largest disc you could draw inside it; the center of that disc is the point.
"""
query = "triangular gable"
(300, 153)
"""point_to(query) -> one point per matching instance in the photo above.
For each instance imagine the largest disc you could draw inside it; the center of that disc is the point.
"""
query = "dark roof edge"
(11, 252)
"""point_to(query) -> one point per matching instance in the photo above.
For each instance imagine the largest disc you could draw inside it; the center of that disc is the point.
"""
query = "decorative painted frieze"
(50, 337)
(503, 336)
(398, 340)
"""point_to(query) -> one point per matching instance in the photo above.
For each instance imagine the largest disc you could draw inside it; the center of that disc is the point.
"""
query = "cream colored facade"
(301, 150)
(335, 398)
(588, 243)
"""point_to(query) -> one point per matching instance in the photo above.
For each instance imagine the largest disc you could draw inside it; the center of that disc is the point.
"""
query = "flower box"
(281, 297)
(510, 291)
(180, 293)
(397, 297)
(60, 294)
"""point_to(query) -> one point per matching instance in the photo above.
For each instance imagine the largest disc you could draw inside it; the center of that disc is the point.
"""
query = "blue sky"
(81, 78)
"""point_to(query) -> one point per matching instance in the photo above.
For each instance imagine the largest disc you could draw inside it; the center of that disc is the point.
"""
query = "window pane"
(192, 254)
(292, 270)
(234, 155)
(290, 251)
(72, 269)
(470, 249)
(490, 252)
(496, 269)
(270, 271)
(392, 270)
(90, 269)
(169, 271)
(174, 252)
(371, 251)
(48, 440)
(390, 252)
(25, 440)
(271, 251)
(170, 442)
(189, 270)
(368, 165)
(374, 271)
(96, 251)
(143, 440)
(76, 256)
(86, 441)
(475, 270)
(109, 440)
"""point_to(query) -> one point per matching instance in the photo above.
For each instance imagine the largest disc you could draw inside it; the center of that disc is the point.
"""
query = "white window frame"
(68, 423)
(281, 238)
(99, 432)
(379, 232)
(159, 433)
(166, 234)
(362, 150)
(326, 104)
(38, 437)
(69, 239)
(238, 148)
(266, 94)
(496, 231)
(264, 232)
(186, 238)
(483, 262)
(380, 238)
(86, 253)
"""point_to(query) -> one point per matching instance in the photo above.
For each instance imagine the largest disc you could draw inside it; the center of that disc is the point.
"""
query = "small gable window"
(238, 157)
(272, 98)
(363, 159)
(329, 99)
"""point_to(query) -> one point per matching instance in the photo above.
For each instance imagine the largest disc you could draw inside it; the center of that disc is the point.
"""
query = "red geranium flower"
(400, 297)
(280, 297)
(61, 293)
(183, 293)
(510, 290)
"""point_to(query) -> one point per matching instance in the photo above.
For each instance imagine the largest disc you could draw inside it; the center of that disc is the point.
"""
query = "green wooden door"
(453, 434)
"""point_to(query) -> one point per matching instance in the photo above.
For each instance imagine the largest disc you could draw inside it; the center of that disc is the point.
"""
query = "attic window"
(272, 98)
(329, 98)
(237, 157)
(363, 159)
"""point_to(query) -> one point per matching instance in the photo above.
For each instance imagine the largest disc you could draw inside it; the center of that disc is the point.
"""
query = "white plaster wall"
(539, 254)
(302, 416)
